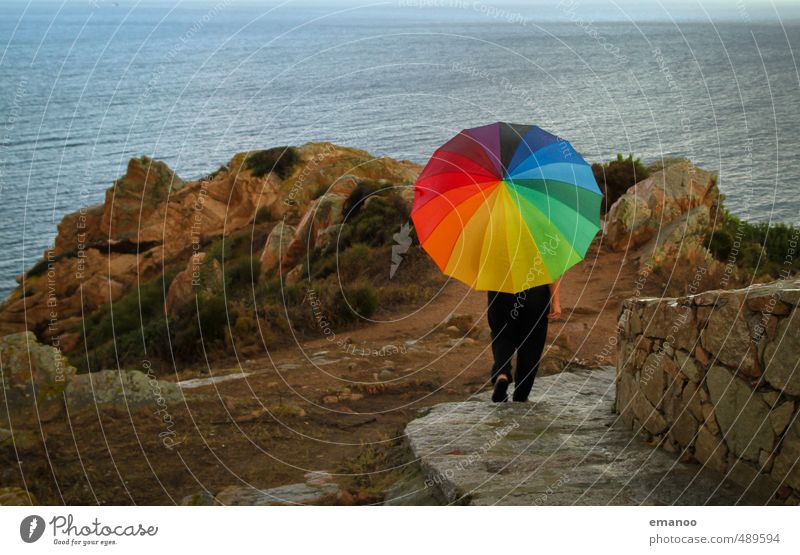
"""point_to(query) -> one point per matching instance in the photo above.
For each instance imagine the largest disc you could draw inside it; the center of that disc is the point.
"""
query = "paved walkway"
(564, 447)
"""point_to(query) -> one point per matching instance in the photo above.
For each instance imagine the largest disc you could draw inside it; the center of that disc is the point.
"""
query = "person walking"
(518, 324)
(493, 204)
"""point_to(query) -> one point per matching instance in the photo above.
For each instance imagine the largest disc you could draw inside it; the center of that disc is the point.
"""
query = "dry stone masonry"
(714, 377)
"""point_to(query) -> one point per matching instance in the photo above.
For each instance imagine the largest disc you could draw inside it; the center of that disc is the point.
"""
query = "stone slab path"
(564, 447)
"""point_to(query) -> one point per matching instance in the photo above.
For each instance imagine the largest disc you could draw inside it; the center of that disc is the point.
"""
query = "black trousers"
(518, 322)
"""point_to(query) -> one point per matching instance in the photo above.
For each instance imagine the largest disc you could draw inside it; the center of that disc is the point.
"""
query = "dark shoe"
(500, 393)
(518, 399)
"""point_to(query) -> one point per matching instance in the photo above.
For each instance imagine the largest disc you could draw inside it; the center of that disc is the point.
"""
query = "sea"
(85, 85)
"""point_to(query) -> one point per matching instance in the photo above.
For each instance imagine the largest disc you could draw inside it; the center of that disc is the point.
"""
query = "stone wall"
(714, 377)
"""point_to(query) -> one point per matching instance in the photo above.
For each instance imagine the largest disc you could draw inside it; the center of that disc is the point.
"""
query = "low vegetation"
(617, 176)
(280, 160)
(240, 307)
(759, 251)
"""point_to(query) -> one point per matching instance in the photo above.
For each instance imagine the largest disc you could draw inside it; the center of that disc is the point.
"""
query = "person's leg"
(533, 338)
(503, 345)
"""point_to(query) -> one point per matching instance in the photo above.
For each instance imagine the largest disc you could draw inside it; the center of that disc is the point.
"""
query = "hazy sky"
(593, 10)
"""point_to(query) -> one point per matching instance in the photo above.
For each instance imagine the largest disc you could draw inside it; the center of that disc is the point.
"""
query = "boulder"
(653, 203)
(130, 388)
(293, 494)
(34, 378)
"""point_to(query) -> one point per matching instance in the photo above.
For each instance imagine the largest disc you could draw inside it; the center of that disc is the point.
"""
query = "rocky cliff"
(152, 221)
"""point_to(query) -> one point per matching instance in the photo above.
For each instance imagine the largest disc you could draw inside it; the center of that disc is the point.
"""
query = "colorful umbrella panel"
(506, 207)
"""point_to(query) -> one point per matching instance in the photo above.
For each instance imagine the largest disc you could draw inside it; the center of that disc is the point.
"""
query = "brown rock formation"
(152, 220)
(675, 202)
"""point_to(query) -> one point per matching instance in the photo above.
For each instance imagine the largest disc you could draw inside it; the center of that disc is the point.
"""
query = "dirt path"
(338, 404)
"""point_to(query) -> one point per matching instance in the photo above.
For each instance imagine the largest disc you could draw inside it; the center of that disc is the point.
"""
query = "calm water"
(85, 86)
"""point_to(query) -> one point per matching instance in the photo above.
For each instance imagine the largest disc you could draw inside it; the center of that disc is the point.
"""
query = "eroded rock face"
(681, 190)
(276, 246)
(198, 278)
(323, 213)
(152, 220)
(34, 378)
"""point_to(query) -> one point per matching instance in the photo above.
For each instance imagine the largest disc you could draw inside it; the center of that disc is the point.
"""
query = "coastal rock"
(34, 378)
(181, 290)
(323, 212)
(153, 220)
(277, 243)
(135, 198)
(665, 196)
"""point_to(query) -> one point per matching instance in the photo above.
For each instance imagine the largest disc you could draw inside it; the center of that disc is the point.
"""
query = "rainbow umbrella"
(506, 207)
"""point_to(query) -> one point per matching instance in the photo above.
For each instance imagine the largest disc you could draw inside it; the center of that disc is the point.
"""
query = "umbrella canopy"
(506, 207)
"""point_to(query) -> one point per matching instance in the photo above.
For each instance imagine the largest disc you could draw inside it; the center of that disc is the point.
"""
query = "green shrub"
(129, 313)
(758, 249)
(223, 250)
(262, 215)
(319, 191)
(363, 298)
(720, 244)
(198, 329)
(357, 197)
(215, 173)
(242, 271)
(354, 262)
(138, 334)
(617, 176)
(376, 221)
(279, 160)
